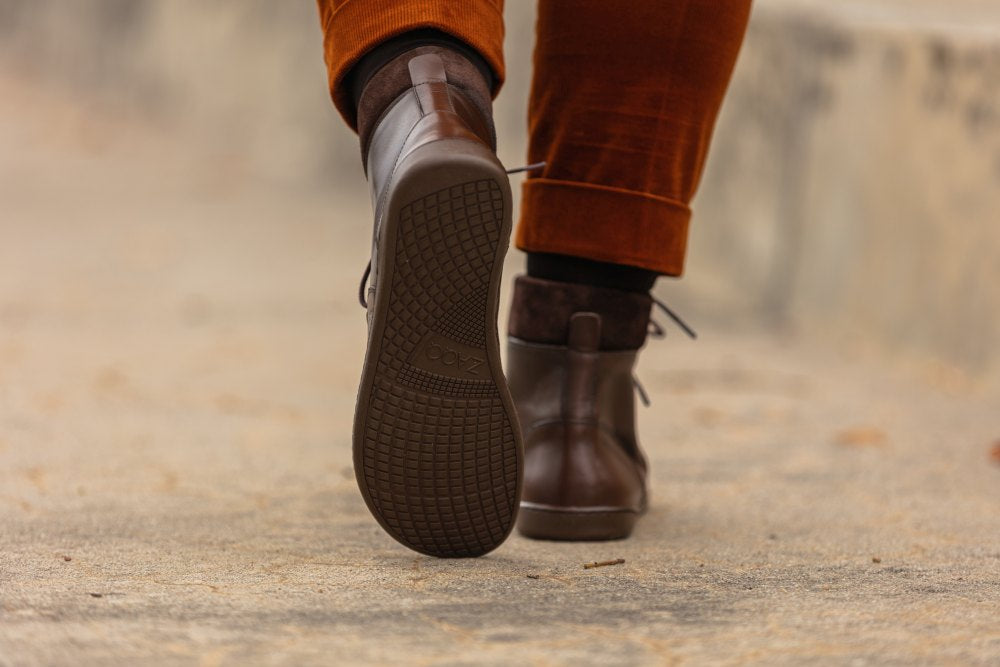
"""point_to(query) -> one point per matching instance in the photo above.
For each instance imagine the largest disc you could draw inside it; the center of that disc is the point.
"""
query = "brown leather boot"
(437, 450)
(571, 352)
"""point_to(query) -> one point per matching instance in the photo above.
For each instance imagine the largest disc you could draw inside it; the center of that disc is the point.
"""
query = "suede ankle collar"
(541, 310)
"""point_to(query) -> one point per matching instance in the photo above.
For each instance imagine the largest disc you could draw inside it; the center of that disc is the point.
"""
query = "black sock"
(568, 269)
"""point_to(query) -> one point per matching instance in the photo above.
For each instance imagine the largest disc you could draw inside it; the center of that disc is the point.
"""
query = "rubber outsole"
(543, 523)
(437, 450)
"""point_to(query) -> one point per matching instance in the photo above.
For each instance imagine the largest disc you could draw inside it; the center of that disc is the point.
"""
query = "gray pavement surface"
(179, 351)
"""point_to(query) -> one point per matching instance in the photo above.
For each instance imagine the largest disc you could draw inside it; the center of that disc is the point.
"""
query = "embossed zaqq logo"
(441, 356)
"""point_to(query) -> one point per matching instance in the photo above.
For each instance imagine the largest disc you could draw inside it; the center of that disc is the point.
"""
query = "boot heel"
(554, 524)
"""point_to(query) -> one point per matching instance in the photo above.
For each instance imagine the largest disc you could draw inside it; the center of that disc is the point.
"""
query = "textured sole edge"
(574, 525)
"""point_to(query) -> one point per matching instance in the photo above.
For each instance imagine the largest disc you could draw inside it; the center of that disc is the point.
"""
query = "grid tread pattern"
(440, 454)
(456, 324)
(421, 380)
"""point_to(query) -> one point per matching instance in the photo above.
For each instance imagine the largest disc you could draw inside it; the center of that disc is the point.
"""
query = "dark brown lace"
(656, 330)
(364, 283)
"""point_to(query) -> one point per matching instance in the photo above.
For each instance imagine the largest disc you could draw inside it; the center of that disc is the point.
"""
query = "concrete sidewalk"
(179, 352)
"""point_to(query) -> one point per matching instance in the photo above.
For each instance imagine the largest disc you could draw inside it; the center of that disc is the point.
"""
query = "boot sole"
(545, 523)
(437, 447)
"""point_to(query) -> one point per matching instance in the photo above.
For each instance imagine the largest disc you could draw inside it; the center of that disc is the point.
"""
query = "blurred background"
(183, 225)
(853, 191)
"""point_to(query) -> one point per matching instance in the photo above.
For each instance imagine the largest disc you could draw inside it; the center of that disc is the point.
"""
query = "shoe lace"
(656, 330)
(368, 268)
(364, 283)
(528, 167)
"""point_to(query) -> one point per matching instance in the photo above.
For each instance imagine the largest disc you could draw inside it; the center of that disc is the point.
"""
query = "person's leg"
(623, 102)
(437, 451)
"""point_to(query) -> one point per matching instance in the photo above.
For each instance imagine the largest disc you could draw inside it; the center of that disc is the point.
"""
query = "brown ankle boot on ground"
(437, 450)
(571, 352)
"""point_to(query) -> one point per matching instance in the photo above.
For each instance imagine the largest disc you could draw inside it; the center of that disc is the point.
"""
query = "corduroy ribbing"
(623, 102)
(603, 223)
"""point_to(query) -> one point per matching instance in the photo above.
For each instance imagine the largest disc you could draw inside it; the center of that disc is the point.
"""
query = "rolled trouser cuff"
(357, 26)
(603, 223)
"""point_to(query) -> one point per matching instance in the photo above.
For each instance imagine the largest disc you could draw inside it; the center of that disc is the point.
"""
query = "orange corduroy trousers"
(623, 101)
